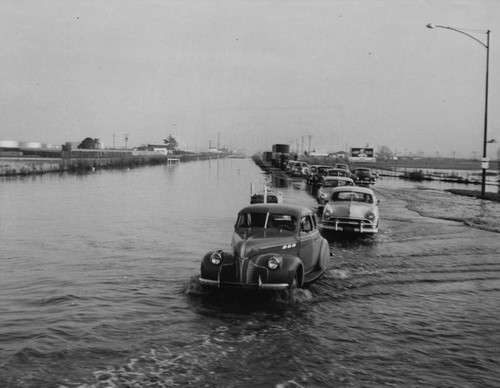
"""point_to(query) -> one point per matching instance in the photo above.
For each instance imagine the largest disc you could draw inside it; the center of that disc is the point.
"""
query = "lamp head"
(430, 25)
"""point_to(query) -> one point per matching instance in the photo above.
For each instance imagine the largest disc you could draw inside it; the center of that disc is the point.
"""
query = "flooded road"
(98, 277)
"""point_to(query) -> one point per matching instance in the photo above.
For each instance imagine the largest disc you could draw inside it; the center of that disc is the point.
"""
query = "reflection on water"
(99, 288)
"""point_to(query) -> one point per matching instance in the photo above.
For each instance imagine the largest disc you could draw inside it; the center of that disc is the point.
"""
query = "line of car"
(278, 246)
(346, 203)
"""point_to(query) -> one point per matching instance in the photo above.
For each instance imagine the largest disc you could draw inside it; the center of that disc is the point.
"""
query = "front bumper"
(350, 226)
(245, 286)
(244, 275)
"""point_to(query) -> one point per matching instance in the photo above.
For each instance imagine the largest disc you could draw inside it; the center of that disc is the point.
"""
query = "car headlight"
(216, 258)
(273, 263)
(323, 196)
(327, 213)
(371, 216)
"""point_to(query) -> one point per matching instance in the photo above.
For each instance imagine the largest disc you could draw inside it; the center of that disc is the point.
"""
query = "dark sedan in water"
(274, 247)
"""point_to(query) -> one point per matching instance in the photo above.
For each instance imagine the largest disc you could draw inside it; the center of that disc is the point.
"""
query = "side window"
(306, 224)
(314, 222)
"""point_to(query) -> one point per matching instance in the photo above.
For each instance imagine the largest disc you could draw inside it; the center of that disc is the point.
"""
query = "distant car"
(363, 176)
(289, 165)
(338, 172)
(316, 173)
(351, 209)
(268, 195)
(274, 247)
(326, 188)
(342, 166)
(313, 169)
(299, 169)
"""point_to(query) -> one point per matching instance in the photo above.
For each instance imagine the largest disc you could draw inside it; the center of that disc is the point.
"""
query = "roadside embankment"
(15, 166)
(20, 166)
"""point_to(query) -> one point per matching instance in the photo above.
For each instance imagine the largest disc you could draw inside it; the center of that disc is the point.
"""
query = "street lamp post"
(484, 163)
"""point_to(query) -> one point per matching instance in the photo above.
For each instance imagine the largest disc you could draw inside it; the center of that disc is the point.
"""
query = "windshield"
(352, 196)
(336, 183)
(337, 173)
(267, 221)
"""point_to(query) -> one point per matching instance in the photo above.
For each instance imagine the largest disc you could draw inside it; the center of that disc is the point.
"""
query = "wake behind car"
(274, 247)
(351, 209)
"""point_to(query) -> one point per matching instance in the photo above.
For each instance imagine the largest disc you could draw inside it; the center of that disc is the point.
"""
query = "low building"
(158, 148)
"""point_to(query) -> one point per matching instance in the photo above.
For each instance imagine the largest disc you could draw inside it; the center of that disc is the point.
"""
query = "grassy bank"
(476, 194)
(21, 166)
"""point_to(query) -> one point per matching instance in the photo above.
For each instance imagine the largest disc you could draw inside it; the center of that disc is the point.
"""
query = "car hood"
(350, 209)
(251, 242)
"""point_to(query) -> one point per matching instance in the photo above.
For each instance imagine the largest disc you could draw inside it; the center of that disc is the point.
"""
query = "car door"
(309, 244)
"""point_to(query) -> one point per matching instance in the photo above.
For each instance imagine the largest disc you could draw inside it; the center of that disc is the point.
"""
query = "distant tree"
(171, 142)
(66, 147)
(89, 144)
(385, 153)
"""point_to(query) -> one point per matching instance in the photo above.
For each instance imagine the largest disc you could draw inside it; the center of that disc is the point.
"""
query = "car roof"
(359, 189)
(337, 169)
(338, 178)
(295, 210)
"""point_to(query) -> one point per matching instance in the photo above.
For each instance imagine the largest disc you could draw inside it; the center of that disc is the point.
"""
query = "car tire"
(324, 256)
(296, 281)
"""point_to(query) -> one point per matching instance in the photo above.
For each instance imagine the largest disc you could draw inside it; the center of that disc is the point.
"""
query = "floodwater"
(98, 282)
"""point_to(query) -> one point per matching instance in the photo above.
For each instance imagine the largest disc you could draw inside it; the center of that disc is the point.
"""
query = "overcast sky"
(251, 73)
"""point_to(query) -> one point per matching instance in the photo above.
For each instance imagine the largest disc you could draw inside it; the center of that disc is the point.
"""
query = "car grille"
(254, 272)
(229, 273)
(365, 222)
(243, 271)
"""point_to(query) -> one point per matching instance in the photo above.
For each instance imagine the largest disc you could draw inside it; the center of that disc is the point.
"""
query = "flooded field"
(99, 288)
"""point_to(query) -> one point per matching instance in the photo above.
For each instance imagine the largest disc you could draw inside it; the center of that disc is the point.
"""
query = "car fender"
(289, 264)
(209, 270)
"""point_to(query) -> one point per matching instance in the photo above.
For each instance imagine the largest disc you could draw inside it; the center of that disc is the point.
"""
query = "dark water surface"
(98, 288)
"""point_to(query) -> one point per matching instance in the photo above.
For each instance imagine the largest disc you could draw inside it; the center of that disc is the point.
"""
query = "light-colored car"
(351, 209)
(326, 188)
(274, 247)
(299, 169)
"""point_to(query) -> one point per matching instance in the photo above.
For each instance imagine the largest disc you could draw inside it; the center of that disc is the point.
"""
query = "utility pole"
(302, 151)
(309, 148)
(126, 141)
(114, 136)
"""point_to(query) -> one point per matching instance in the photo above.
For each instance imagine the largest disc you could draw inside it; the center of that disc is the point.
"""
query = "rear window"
(352, 196)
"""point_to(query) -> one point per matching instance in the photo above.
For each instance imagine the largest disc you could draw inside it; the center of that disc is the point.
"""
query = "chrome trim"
(260, 286)
(274, 286)
(208, 282)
